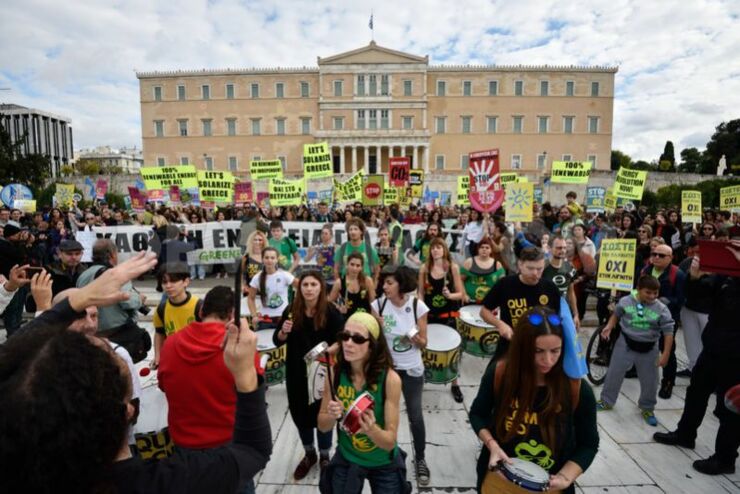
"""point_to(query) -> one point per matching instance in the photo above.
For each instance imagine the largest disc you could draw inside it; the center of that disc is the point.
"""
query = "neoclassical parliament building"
(374, 103)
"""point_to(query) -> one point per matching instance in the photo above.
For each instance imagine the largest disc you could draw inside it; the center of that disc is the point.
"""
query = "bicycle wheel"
(598, 355)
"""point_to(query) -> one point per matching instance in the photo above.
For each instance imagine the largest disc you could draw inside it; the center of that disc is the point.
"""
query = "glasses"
(536, 319)
(356, 338)
(659, 255)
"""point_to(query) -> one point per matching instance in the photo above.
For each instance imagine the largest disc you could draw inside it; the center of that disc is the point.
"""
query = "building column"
(341, 159)
(416, 157)
(366, 168)
(391, 150)
(425, 150)
(354, 159)
(378, 156)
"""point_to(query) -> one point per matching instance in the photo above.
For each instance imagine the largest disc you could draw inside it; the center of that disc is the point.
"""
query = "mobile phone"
(32, 270)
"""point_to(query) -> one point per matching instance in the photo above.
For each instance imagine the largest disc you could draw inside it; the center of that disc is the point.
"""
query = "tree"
(725, 141)
(642, 165)
(691, 161)
(88, 167)
(31, 170)
(619, 160)
(668, 153)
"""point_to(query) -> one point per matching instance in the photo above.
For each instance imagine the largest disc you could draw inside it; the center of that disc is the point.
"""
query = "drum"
(526, 474)
(317, 370)
(442, 354)
(479, 337)
(152, 436)
(409, 261)
(275, 366)
(351, 421)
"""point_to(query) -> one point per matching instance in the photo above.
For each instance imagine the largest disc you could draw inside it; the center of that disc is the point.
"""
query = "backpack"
(368, 254)
(575, 385)
(385, 300)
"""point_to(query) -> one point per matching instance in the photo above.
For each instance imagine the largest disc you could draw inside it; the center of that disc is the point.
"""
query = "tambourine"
(526, 475)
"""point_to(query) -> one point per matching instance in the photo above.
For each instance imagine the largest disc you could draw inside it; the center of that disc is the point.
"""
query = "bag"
(638, 346)
(131, 337)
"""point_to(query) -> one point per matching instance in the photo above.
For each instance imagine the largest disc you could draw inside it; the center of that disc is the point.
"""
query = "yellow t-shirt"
(177, 316)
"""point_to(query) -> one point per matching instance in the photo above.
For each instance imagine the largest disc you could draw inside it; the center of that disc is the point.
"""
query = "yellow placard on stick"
(351, 190)
(163, 177)
(519, 201)
(317, 162)
(509, 178)
(617, 264)
(390, 195)
(729, 199)
(25, 205)
(65, 195)
(215, 186)
(463, 189)
(416, 182)
(691, 206)
(571, 172)
(610, 200)
(262, 169)
(630, 184)
(287, 192)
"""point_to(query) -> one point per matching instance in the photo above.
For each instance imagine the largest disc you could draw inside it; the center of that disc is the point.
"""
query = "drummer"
(355, 291)
(308, 321)
(364, 364)
(441, 289)
(272, 286)
(480, 273)
(528, 408)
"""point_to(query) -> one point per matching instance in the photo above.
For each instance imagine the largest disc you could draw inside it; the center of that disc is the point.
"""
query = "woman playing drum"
(480, 273)
(364, 364)
(308, 321)
(528, 408)
(355, 291)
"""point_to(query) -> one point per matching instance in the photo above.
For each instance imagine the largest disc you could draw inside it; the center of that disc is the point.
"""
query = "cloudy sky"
(679, 61)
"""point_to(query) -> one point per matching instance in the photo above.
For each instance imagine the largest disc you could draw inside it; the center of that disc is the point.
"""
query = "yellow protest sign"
(509, 178)
(215, 186)
(416, 182)
(317, 162)
(287, 192)
(519, 201)
(25, 205)
(390, 195)
(629, 184)
(571, 172)
(729, 199)
(691, 206)
(610, 200)
(65, 195)
(261, 169)
(352, 188)
(617, 264)
(406, 197)
(372, 190)
(162, 177)
(463, 189)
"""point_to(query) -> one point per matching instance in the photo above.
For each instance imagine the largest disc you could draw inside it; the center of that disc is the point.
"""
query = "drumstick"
(331, 375)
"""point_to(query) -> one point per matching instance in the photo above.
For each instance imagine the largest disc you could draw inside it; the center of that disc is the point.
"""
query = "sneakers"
(305, 465)
(649, 418)
(601, 406)
(456, 393)
(422, 472)
(666, 390)
(673, 439)
(712, 466)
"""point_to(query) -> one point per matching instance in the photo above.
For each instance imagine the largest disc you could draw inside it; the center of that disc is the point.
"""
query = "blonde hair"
(251, 238)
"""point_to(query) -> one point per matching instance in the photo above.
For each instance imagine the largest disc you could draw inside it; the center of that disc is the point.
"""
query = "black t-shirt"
(562, 276)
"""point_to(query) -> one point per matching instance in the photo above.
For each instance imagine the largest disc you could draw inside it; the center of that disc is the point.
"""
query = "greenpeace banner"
(486, 190)
(595, 197)
(629, 184)
(571, 172)
(162, 177)
(317, 162)
(399, 171)
(372, 190)
(287, 192)
(216, 186)
(259, 169)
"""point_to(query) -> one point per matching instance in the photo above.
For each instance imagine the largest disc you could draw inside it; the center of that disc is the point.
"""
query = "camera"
(144, 310)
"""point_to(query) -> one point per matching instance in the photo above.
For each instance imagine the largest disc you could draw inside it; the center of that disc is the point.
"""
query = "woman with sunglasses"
(527, 407)
(707, 231)
(308, 321)
(364, 364)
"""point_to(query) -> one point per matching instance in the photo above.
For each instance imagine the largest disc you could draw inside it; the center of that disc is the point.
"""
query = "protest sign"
(595, 199)
(89, 190)
(155, 195)
(138, 201)
(629, 184)
(399, 171)
(317, 161)
(463, 189)
(12, 192)
(729, 199)
(161, 177)
(390, 195)
(215, 186)
(101, 188)
(509, 178)
(242, 192)
(263, 199)
(175, 197)
(287, 192)
(372, 190)
(571, 172)
(691, 206)
(538, 195)
(519, 201)
(416, 182)
(616, 264)
(64, 195)
(351, 190)
(25, 205)
(610, 201)
(263, 169)
(486, 191)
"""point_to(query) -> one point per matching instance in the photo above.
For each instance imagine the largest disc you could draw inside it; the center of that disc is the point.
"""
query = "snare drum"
(442, 354)
(526, 475)
(479, 337)
(275, 366)
(351, 421)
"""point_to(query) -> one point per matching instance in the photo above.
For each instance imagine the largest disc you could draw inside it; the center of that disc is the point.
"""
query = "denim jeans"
(197, 271)
(13, 315)
(386, 480)
(412, 388)
(324, 438)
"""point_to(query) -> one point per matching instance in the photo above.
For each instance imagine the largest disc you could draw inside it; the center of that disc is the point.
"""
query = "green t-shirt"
(286, 247)
(343, 252)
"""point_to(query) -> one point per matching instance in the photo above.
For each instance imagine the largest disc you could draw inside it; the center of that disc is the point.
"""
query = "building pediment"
(373, 54)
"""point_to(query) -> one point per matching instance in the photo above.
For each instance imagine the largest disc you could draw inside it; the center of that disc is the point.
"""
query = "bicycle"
(599, 351)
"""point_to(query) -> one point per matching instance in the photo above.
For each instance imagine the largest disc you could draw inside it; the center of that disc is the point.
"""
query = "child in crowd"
(288, 257)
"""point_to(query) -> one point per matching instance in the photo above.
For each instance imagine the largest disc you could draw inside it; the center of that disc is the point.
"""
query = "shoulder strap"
(416, 303)
(160, 310)
(672, 274)
(381, 306)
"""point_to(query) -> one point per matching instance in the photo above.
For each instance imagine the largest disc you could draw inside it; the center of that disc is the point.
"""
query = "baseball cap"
(70, 245)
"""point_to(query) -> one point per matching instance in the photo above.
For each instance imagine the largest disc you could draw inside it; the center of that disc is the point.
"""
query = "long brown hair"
(445, 256)
(519, 383)
(263, 273)
(361, 274)
(380, 360)
(298, 308)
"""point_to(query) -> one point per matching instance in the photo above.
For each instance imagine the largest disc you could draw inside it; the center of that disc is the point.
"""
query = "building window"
(229, 91)
(256, 157)
(184, 160)
(541, 161)
(304, 90)
(360, 85)
(384, 120)
(441, 88)
(544, 88)
(570, 88)
(440, 124)
(337, 88)
(338, 123)
(231, 126)
(157, 93)
(254, 90)
(592, 159)
(491, 124)
(181, 93)
(372, 119)
(467, 88)
(593, 125)
(439, 162)
(283, 163)
(517, 124)
(492, 88)
(543, 124)
(567, 157)
(256, 126)
(568, 125)
(279, 90)
(466, 124)
(407, 87)
(205, 91)
(232, 163)
(384, 85)
(594, 89)
(209, 162)
(305, 126)
(207, 127)
(408, 123)
(518, 88)
(516, 161)
(361, 119)
(464, 161)
(373, 83)
(280, 126)
(159, 128)
(183, 124)
(161, 161)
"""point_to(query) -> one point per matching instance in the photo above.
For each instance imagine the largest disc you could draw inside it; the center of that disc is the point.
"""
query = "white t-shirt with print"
(276, 286)
(397, 321)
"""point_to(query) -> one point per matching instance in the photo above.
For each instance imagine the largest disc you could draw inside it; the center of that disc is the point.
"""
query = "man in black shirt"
(561, 272)
(515, 294)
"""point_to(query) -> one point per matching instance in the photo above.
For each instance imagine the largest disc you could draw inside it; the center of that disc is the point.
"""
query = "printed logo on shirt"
(439, 301)
(347, 395)
(401, 344)
(535, 453)
(544, 299)
(275, 301)
(389, 322)
(517, 307)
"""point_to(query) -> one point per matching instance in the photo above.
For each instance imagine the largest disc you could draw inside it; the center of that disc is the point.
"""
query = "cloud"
(679, 73)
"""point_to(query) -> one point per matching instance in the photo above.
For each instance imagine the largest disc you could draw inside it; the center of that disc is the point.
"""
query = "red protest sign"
(243, 192)
(174, 193)
(399, 171)
(486, 193)
(138, 201)
(101, 188)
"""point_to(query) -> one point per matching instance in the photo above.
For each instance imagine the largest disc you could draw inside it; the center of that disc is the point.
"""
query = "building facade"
(39, 133)
(374, 103)
(125, 160)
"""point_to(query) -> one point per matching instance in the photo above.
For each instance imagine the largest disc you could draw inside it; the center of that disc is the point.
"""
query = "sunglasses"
(536, 319)
(641, 231)
(659, 255)
(356, 338)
